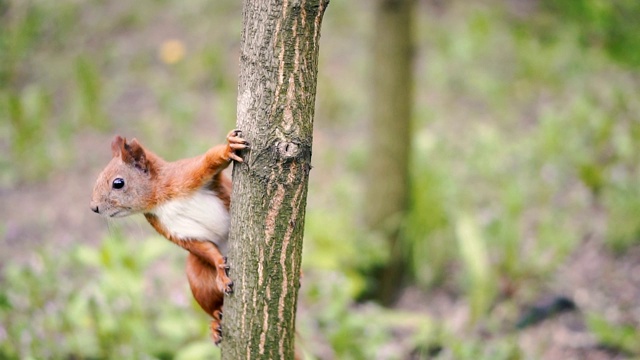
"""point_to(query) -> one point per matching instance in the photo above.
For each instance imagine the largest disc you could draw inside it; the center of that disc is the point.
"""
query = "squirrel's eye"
(118, 183)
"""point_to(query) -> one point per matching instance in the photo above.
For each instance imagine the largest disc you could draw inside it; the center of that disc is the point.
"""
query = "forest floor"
(597, 280)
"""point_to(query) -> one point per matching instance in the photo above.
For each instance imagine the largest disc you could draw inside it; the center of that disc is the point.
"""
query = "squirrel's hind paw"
(216, 331)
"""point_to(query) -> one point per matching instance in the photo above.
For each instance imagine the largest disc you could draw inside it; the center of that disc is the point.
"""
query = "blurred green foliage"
(527, 141)
(65, 69)
(548, 116)
(355, 332)
(611, 25)
(623, 337)
(99, 303)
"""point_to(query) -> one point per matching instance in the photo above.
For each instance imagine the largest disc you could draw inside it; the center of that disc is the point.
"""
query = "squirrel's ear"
(117, 145)
(135, 155)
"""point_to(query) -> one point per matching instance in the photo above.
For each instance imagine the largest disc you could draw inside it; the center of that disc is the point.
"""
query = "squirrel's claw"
(239, 146)
(235, 142)
(216, 332)
(229, 289)
(233, 156)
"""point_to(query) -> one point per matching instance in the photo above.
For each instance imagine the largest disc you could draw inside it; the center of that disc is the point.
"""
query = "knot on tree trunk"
(288, 149)
(288, 153)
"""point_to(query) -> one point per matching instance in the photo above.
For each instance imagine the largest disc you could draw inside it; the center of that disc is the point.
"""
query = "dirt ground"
(55, 211)
(598, 282)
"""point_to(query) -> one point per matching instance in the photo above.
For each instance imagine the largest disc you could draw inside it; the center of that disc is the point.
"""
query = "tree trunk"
(390, 133)
(276, 99)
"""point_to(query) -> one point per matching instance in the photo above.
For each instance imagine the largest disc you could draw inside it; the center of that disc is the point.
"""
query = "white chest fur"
(201, 216)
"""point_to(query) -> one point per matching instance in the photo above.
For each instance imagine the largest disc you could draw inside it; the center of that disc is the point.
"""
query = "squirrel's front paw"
(235, 142)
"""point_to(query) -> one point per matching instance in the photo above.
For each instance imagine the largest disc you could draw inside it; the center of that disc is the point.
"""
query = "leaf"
(475, 258)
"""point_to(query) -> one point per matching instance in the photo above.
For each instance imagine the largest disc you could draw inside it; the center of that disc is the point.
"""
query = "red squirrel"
(186, 201)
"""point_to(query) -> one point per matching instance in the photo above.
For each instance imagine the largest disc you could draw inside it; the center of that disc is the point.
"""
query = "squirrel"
(186, 201)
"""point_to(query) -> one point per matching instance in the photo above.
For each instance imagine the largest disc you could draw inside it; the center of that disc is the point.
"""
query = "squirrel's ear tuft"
(117, 145)
(136, 155)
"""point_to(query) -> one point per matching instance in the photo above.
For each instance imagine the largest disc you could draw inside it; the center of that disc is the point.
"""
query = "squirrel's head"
(125, 186)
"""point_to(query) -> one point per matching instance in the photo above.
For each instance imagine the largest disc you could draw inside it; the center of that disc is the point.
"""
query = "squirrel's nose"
(95, 209)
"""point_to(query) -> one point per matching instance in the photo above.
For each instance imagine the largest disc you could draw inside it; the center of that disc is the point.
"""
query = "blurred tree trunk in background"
(276, 100)
(390, 136)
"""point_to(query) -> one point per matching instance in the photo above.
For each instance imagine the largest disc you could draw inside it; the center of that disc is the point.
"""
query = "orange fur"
(149, 182)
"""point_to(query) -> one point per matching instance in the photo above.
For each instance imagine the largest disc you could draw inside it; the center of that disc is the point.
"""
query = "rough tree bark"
(276, 99)
(389, 139)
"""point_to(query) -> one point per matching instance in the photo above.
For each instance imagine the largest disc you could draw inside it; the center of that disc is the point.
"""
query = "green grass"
(618, 337)
(99, 303)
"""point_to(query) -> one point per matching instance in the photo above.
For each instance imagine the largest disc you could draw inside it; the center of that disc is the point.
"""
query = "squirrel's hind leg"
(209, 253)
(203, 282)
